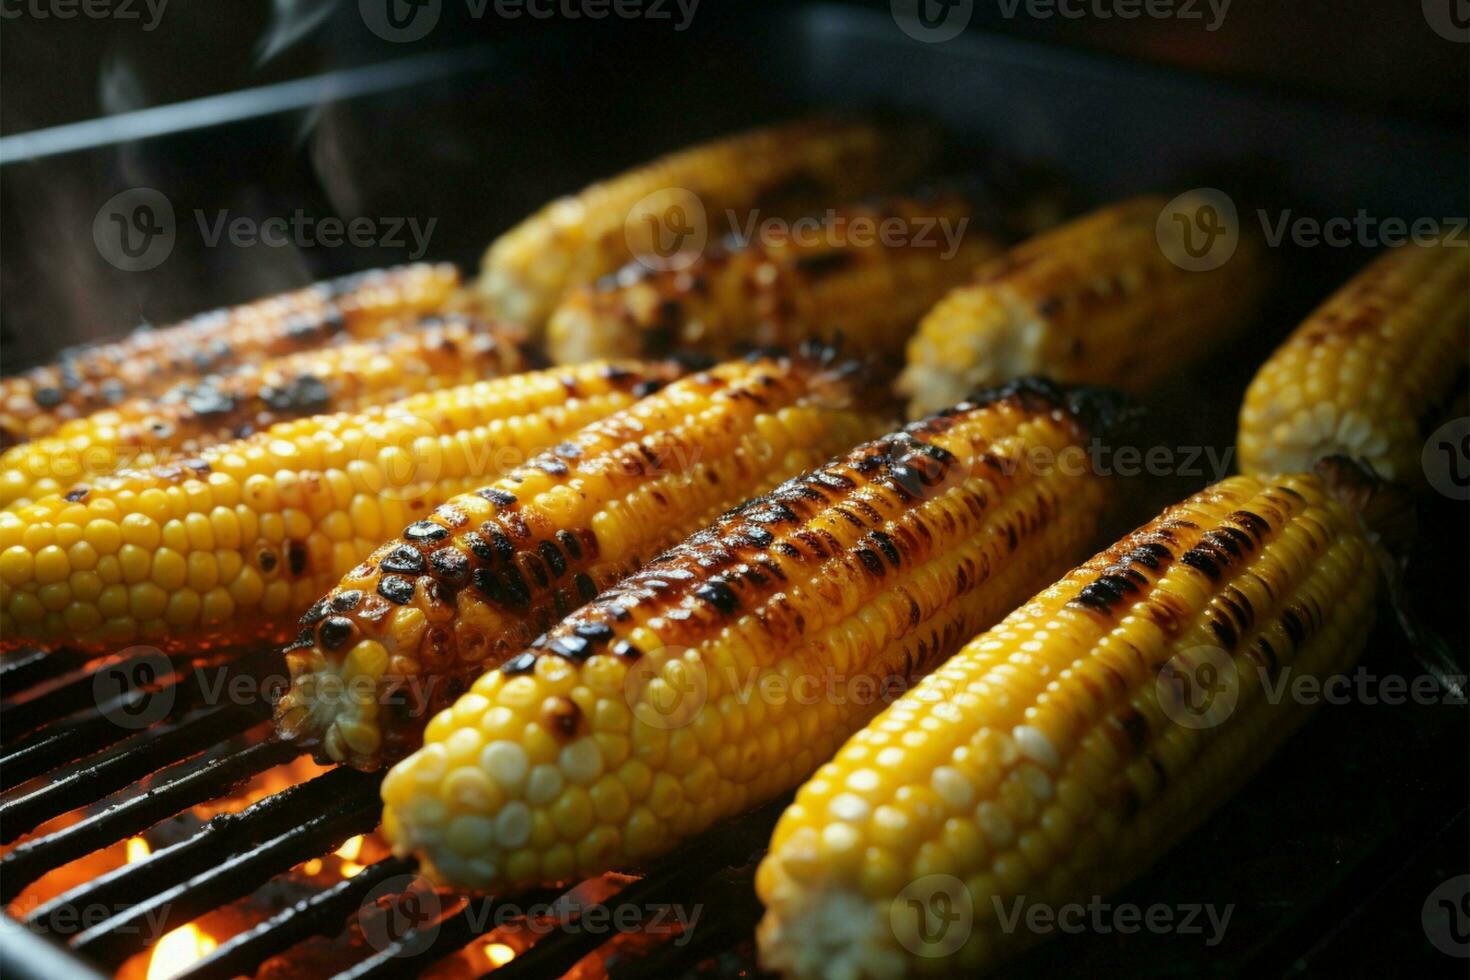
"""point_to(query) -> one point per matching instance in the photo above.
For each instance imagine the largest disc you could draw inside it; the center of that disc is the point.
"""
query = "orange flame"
(177, 951)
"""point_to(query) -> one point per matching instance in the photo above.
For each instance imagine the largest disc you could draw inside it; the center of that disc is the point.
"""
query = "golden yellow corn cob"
(784, 171)
(805, 282)
(1059, 754)
(238, 542)
(149, 361)
(184, 420)
(649, 714)
(1096, 301)
(471, 585)
(1365, 370)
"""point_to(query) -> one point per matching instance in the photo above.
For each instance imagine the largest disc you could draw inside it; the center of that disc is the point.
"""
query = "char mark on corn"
(475, 581)
(642, 718)
(1059, 754)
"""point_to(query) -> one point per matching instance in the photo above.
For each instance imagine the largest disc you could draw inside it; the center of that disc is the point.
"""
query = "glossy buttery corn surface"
(146, 362)
(196, 414)
(1362, 373)
(784, 170)
(1062, 752)
(659, 708)
(865, 273)
(404, 633)
(1095, 301)
(236, 543)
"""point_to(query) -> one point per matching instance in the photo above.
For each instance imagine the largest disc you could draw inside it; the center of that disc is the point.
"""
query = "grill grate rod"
(730, 912)
(23, 717)
(92, 782)
(143, 924)
(24, 670)
(34, 858)
(320, 914)
(104, 726)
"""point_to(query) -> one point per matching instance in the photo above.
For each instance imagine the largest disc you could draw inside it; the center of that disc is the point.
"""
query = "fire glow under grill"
(187, 842)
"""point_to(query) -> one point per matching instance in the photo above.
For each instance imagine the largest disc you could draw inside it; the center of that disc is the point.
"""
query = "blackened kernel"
(450, 565)
(889, 549)
(517, 594)
(586, 588)
(395, 588)
(551, 466)
(489, 584)
(718, 593)
(478, 546)
(48, 397)
(77, 493)
(553, 558)
(870, 560)
(425, 531)
(626, 650)
(594, 631)
(537, 570)
(501, 498)
(296, 556)
(404, 559)
(572, 647)
(521, 663)
(567, 450)
(499, 541)
(346, 601)
(334, 632)
(570, 544)
(316, 613)
(267, 560)
(561, 716)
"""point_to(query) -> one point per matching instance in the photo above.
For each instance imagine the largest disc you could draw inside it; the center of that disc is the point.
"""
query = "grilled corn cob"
(238, 542)
(785, 288)
(148, 361)
(1365, 370)
(489, 570)
(783, 170)
(1096, 301)
(194, 415)
(649, 714)
(1060, 753)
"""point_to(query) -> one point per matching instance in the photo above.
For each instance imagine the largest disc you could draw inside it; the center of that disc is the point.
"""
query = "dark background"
(1322, 108)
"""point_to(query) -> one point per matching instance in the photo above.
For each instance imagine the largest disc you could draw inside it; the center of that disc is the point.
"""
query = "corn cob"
(784, 170)
(785, 288)
(194, 415)
(489, 570)
(1063, 751)
(238, 542)
(646, 716)
(1096, 301)
(146, 362)
(1365, 370)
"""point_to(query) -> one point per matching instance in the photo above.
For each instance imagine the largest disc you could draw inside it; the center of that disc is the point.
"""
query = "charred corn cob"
(149, 361)
(1060, 753)
(474, 583)
(1096, 301)
(1365, 370)
(730, 667)
(238, 542)
(804, 282)
(784, 170)
(186, 419)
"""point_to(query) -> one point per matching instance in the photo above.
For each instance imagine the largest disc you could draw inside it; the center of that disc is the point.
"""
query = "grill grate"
(200, 752)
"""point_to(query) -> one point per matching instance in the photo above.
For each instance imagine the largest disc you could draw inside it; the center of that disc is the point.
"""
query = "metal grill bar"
(731, 911)
(34, 858)
(136, 761)
(24, 717)
(25, 670)
(318, 915)
(144, 923)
